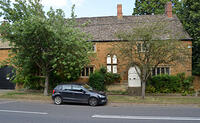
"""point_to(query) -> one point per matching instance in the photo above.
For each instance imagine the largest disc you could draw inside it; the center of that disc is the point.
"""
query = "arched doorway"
(6, 74)
(133, 77)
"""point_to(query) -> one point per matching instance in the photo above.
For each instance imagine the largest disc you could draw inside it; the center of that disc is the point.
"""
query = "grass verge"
(36, 96)
(25, 95)
(155, 99)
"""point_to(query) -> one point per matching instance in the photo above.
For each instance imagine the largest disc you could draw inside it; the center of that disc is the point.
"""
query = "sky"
(90, 8)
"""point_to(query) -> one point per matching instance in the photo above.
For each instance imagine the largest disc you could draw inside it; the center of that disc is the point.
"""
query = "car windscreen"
(86, 86)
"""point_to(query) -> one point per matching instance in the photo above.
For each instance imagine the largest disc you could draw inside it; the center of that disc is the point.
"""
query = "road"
(37, 112)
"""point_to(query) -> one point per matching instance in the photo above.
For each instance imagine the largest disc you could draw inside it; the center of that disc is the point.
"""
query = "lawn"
(37, 96)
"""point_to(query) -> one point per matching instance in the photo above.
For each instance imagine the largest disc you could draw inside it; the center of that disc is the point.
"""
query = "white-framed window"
(86, 71)
(161, 70)
(94, 48)
(108, 59)
(141, 47)
(111, 63)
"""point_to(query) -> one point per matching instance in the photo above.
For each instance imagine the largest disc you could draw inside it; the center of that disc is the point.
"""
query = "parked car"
(77, 93)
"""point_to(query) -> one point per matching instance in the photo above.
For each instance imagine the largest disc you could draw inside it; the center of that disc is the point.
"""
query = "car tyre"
(93, 101)
(58, 100)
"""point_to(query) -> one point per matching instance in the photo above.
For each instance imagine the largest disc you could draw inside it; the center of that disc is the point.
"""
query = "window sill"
(84, 76)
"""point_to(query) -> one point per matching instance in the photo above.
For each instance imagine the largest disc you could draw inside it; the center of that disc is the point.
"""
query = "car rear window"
(59, 87)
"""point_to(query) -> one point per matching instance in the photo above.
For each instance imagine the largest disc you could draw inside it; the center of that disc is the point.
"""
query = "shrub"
(150, 89)
(99, 79)
(170, 84)
(165, 83)
(96, 81)
(110, 78)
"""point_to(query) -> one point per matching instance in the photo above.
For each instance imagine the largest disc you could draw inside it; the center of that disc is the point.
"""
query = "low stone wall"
(118, 87)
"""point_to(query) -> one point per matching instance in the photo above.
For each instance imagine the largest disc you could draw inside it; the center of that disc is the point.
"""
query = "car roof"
(70, 84)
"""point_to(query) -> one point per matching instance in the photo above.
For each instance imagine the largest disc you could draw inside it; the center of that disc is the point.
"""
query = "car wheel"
(58, 100)
(93, 101)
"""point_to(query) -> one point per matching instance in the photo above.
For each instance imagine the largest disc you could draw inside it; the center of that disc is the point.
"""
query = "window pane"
(114, 59)
(83, 72)
(76, 87)
(143, 47)
(108, 68)
(66, 87)
(153, 72)
(91, 70)
(94, 48)
(139, 47)
(158, 71)
(114, 68)
(163, 70)
(87, 71)
(108, 59)
(167, 70)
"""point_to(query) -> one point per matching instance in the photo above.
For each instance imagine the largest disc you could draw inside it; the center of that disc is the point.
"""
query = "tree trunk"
(143, 89)
(46, 86)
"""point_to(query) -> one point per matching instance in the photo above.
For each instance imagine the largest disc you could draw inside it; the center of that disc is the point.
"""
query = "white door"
(133, 77)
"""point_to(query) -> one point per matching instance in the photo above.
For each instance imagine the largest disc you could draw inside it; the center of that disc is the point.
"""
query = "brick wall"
(3, 54)
(104, 48)
(196, 83)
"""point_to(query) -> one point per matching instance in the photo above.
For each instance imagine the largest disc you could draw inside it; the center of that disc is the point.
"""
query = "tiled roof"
(105, 28)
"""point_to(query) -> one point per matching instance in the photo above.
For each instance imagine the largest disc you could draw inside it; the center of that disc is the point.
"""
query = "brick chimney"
(119, 11)
(168, 9)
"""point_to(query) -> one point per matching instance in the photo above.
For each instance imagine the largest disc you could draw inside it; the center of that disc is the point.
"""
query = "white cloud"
(77, 2)
(54, 3)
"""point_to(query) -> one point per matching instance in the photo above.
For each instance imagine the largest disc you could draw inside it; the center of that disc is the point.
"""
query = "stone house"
(103, 30)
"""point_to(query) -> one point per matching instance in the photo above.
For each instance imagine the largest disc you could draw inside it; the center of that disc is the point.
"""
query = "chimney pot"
(119, 11)
(168, 9)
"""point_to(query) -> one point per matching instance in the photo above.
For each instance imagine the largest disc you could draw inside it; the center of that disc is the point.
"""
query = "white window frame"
(165, 70)
(112, 62)
(89, 71)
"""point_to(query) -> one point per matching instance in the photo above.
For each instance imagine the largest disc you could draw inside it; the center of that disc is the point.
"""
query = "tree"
(148, 7)
(145, 49)
(189, 14)
(46, 42)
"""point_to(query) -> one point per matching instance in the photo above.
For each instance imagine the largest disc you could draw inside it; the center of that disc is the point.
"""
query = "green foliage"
(43, 42)
(96, 81)
(189, 15)
(165, 83)
(110, 78)
(148, 7)
(99, 79)
(170, 84)
(150, 89)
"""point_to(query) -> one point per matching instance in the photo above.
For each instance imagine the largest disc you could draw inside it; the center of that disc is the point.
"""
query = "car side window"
(76, 88)
(67, 87)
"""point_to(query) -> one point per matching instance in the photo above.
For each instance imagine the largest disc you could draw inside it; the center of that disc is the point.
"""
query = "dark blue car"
(77, 93)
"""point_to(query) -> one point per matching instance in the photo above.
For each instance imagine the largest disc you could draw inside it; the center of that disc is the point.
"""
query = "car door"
(67, 93)
(79, 94)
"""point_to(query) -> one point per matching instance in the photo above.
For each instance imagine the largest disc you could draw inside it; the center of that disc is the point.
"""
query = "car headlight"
(101, 96)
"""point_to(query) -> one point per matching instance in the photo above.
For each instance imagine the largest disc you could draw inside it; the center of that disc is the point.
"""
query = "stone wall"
(104, 48)
(196, 83)
(4, 54)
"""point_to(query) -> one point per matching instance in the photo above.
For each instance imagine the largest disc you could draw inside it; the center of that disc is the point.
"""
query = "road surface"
(12, 111)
